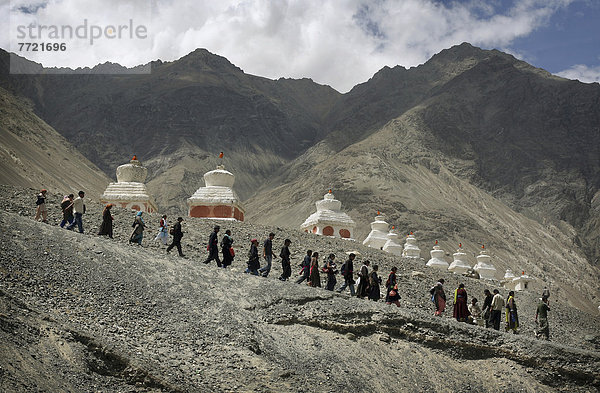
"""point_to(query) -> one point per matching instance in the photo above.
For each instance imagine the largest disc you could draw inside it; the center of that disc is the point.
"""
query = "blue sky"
(336, 42)
(570, 38)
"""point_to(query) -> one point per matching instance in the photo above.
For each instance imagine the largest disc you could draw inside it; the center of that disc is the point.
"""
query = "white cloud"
(336, 42)
(582, 73)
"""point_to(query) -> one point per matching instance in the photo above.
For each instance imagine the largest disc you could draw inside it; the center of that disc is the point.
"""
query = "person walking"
(163, 230)
(512, 318)
(314, 278)
(331, 269)
(41, 211)
(461, 310)
(348, 274)
(362, 289)
(390, 283)
(177, 236)
(67, 210)
(138, 229)
(487, 307)
(541, 318)
(106, 228)
(438, 296)
(213, 246)
(253, 261)
(267, 255)
(227, 249)
(285, 260)
(497, 306)
(393, 297)
(78, 211)
(305, 265)
(374, 283)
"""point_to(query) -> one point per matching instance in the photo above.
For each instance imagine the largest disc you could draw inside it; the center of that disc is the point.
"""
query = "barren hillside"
(86, 313)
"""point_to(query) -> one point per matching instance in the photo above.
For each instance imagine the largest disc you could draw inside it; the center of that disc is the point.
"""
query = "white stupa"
(459, 265)
(216, 200)
(379, 232)
(411, 250)
(521, 282)
(507, 281)
(484, 266)
(130, 191)
(391, 245)
(329, 219)
(437, 258)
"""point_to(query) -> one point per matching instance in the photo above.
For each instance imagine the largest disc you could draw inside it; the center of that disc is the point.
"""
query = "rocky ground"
(85, 313)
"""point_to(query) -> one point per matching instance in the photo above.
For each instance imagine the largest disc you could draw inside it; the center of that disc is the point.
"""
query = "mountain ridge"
(524, 140)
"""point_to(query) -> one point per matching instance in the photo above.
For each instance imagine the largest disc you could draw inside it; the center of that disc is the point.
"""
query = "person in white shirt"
(78, 210)
(497, 307)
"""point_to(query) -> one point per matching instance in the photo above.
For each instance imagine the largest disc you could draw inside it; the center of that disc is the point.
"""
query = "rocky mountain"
(86, 313)
(179, 117)
(33, 154)
(473, 146)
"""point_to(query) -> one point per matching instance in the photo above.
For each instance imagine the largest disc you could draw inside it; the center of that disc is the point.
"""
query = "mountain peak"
(203, 59)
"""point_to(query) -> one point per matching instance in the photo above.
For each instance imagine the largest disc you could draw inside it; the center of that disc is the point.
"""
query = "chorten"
(379, 233)
(391, 245)
(484, 267)
(520, 283)
(216, 200)
(329, 219)
(411, 250)
(459, 265)
(437, 258)
(507, 281)
(130, 191)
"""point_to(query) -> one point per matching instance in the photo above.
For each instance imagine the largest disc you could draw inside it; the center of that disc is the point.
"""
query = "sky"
(335, 42)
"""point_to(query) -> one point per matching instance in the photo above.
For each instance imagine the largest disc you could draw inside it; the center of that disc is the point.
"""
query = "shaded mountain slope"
(193, 107)
(425, 191)
(32, 154)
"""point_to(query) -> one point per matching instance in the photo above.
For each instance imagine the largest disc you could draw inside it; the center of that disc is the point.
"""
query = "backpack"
(432, 291)
(343, 269)
(172, 231)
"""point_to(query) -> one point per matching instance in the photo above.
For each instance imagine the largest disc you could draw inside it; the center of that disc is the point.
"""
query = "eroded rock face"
(87, 313)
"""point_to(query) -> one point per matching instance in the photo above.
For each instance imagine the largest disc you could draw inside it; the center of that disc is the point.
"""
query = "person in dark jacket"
(67, 210)
(363, 285)
(487, 307)
(331, 269)
(226, 249)
(253, 261)
(305, 265)
(390, 283)
(213, 246)
(348, 274)
(106, 228)
(285, 260)
(374, 283)
(268, 255)
(314, 279)
(138, 229)
(177, 235)
(393, 297)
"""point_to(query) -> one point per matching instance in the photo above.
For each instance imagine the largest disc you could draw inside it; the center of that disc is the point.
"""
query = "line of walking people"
(490, 314)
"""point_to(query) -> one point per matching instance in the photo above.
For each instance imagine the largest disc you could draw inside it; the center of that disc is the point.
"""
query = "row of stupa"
(381, 238)
(218, 200)
(215, 200)
(484, 267)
